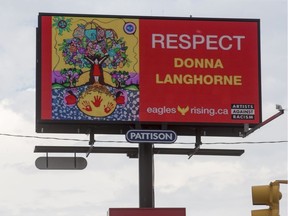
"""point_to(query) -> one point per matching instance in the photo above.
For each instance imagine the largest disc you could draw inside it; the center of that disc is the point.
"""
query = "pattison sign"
(151, 136)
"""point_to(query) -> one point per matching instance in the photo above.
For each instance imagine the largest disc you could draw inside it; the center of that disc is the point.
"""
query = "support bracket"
(248, 132)
(91, 143)
(198, 142)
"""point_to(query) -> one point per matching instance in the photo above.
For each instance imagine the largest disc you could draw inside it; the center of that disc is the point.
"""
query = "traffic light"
(266, 195)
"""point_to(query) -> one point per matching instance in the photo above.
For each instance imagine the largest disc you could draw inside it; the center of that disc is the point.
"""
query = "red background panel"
(244, 63)
(147, 212)
(46, 65)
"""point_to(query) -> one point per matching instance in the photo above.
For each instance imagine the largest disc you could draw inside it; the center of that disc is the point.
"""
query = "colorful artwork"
(95, 72)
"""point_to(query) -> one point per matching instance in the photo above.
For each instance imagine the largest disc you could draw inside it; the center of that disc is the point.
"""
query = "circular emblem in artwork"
(130, 28)
(62, 24)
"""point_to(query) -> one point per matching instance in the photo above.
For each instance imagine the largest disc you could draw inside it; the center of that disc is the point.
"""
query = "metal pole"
(146, 175)
(281, 112)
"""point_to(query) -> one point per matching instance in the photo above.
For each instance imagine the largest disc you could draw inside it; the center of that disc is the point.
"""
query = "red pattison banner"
(147, 212)
(94, 69)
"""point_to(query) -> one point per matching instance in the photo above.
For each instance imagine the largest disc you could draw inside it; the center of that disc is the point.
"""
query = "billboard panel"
(126, 71)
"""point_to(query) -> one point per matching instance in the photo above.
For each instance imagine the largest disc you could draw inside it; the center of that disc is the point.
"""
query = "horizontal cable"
(115, 141)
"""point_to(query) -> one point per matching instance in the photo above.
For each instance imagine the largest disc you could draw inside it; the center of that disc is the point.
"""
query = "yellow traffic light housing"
(267, 195)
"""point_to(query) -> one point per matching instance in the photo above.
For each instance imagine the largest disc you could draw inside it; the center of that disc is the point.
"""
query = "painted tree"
(91, 41)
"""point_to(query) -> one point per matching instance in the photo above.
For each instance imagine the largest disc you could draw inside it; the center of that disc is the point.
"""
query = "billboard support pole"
(146, 175)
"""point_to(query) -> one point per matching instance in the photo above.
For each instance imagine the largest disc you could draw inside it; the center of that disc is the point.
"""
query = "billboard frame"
(113, 127)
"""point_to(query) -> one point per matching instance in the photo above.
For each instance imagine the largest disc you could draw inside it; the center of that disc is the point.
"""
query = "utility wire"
(114, 141)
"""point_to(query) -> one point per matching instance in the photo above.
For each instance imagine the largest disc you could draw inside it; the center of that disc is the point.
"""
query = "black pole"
(146, 175)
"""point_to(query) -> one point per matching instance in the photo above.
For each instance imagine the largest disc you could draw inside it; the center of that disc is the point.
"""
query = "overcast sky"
(204, 185)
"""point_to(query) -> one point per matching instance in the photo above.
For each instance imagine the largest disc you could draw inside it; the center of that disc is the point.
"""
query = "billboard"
(114, 73)
(147, 212)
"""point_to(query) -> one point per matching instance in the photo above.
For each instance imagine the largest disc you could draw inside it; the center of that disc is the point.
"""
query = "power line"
(39, 137)
(119, 141)
(259, 142)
